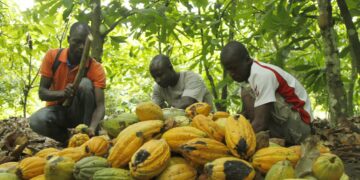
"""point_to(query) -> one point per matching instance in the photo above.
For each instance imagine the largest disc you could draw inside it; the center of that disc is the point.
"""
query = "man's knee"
(86, 85)
(38, 121)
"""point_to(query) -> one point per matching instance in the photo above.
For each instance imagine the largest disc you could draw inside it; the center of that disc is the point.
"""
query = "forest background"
(316, 41)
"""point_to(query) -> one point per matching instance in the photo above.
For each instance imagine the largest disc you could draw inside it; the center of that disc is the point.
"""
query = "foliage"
(191, 32)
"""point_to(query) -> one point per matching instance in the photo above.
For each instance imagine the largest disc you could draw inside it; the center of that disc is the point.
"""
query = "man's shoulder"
(95, 63)
(51, 53)
(261, 69)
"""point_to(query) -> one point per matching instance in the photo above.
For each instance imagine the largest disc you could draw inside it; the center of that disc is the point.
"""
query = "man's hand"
(69, 90)
(91, 132)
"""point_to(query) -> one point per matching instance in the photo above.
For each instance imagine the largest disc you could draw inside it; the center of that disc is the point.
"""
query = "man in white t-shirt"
(278, 101)
(176, 89)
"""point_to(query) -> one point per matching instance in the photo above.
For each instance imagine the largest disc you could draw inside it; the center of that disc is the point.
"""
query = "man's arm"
(262, 117)
(184, 102)
(194, 91)
(45, 94)
(157, 98)
(99, 112)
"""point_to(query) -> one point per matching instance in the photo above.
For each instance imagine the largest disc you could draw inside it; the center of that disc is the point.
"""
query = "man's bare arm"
(45, 94)
(99, 112)
(262, 117)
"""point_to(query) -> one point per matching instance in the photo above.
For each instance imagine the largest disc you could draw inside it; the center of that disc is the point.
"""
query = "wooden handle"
(82, 66)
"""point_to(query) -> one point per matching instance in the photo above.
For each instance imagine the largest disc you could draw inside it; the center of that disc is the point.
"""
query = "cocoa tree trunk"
(351, 32)
(98, 43)
(337, 96)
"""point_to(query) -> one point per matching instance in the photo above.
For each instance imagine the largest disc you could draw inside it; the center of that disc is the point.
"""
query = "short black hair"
(163, 59)
(78, 25)
(235, 48)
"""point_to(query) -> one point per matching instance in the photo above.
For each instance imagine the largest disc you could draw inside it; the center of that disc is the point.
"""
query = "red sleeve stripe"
(289, 94)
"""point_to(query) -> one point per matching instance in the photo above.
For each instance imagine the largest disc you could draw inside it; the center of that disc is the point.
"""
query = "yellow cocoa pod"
(150, 160)
(207, 125)
(131, 139)
(240, 136)
(198, 108)
(204, 150)
(229, 168)
(175, 137)
(149, 111)
(78, 139)
(31, 167)
(265, 158)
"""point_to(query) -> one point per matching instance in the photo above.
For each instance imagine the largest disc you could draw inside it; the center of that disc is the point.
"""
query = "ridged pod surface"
(229, 168)
(59, 168)
(178, 171)
(150, 160)
(177, 160)
(198, 108)
(31, 167)
(204, 150)
(207, 125)
(39, 177)
(280, 170)
(131, 139)
(177, 136)
(75, 153)
(328, 167)
(112, 174)
(220, 114)
(97, 145)
(148, 111)
(78, 139)
(264, 158)
(149, 129)
(44, 153)
(86, 167)
(240, 136)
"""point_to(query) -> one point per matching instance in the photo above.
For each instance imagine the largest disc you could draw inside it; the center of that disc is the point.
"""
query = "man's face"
(76, 43)
(161, 75)
(238, 69)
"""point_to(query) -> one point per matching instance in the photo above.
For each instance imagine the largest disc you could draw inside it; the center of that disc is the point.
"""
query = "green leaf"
(344, 52)
(302, 67)
(309, 9)
(67, 3)
(66, 13)
(118, 39)
(55, 8)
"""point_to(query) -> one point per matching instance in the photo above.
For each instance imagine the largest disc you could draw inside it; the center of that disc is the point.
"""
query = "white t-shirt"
(189, 84)
(266, 80)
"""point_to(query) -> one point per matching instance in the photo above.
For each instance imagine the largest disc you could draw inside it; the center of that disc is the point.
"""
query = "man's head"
(236, 60)
(162, 71)
(76, 39)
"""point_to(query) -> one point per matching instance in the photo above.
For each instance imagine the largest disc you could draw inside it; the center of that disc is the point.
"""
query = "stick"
(81, 72)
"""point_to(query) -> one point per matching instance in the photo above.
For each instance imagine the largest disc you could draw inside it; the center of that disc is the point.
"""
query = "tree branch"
(132, 12)
(203, 52)
(351, 32)
(112, 27)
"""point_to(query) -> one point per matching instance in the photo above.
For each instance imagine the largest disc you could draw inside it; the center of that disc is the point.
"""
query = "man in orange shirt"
(58, 71)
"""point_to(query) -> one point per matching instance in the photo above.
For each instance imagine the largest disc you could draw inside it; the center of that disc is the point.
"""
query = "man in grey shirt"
(176, 89)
